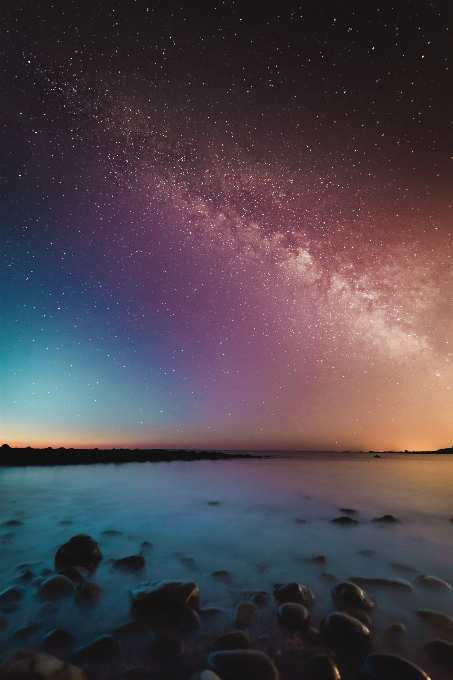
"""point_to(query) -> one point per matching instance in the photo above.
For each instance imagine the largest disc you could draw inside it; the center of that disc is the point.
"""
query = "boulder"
(293, 616)
(30, 664)
(99, 650)
(236, 639)
(245, 613)
(433, 583)
(437, 619)
(392, 667)
(320, 667)
(441, 651)
(165, 596)
(131, 563)
(294, 592)
(243, 664)
(341, 629)
(347, 594)
(87, 593)
(57, 640)
(79, 551)
(55, 588)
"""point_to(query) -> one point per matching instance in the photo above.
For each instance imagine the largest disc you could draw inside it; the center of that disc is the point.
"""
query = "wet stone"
(399, 583)
(205, 675)
(437, 619)
(245, 613)
(344, 520)
(26, 631)
(347, 594)
(235, 639)
(131, 563)
(57, 640)
(25, 576)
(190, 620)
(360, 615)
(164, 596)
(320, 667)
(100, 650)
(79, 551)
(137, 673)
(76, 574)
(294, 592)
(318, 559)
(167, 647)
(339, 628)
(12, 523)
(433, 583)
(221, 575)
(386, 519)
(392, 667)
(55, 587)
(12, 594)
(111, 533)
(87, 593)
(30, 664)
(293, 616)
(130, 629)
(243, 664)
(348, 511)
(441, 651)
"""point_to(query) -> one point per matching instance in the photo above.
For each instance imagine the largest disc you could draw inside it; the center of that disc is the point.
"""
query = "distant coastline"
(28, 456)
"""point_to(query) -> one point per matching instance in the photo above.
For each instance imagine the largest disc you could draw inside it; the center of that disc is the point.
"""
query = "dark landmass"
(15, 457)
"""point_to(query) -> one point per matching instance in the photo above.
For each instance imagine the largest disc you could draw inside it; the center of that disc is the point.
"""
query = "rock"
(47, 609)
(222, 575)
(386, 519)
(300, 520)
(130, 563)
(245, 613)
(29, 664)
(293, 616)
(76, 574)
(327, 576)
(348, 511)
(26, 631)
(320, 667)
(166, 646)
(87, 593)
(236, 639)
(344, 520)
(440, 651)
(205, 675)
(437, 619)
(319, 559)
(3, 622)
(213, 502)
(55, 587)
(12, 594)
(165, 596)
(392, 667)
(258, 597)
(137, 673)
(347, 594)
(25, 576)
(79, 551)
(366, 553)
(341, 629)
(146, 545)
(403, 568)
(190, 620)
(400, 583)
(360, 615)
(294, 592)
(243, 664)
(131, 629)
(12, 523)
(57, 640)
(102, 649)
(397, 629)
(433, 583)
(111, 532)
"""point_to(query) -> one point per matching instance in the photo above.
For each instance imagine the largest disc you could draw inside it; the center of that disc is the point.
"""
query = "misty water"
(260, 520)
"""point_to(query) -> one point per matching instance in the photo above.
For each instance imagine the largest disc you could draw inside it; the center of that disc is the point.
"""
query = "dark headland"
(21, 457)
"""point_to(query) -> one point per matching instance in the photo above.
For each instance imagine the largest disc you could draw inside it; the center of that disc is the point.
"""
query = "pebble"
(347, 594)
(12, 594)
(320, 667)
(87, 593)
(437, 619)
(80, 551)
(57, 640)
(55, 587)
(130, 563)
(162, 596)
(441, 651)
(293, 616)
(344, 520)
(392, 667)
(339, 628)
(294, 592)
(236, 639)
(102, 649)
(243, 664)
(245, 613)
(30, 664)
(433, 583)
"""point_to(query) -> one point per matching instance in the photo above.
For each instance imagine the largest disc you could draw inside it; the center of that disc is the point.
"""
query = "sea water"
(260, 520)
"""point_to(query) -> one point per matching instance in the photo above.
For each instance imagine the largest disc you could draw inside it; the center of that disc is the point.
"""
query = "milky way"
(227, 226)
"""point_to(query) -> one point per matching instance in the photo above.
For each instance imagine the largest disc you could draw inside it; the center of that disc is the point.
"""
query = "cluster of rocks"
(167, 617)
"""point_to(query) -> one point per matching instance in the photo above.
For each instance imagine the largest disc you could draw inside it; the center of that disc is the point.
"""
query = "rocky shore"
(169, 634)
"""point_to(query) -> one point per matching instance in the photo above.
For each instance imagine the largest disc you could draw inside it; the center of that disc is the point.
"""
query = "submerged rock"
(30, 664)
(166, 646)
(392, 667)
(57, 640)
(341, 629)
(12, 594)
(76, 574)
(437, 619)
(236, 639)
(294, 616)
(25, 631)
(205, 675)
(294, 592)
(347, 594)
(102, 649)
(344, 520)
(55, 587)
(165, 596)
(320, 667)
(243, 664)
(87, 593)
(433, 583)
(441, 651)
(130, 563)
(389, 582)
(386, 519)
(245, 613)
(79, 551)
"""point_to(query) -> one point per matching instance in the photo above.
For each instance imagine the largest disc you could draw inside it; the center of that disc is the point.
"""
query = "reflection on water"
(258, 519)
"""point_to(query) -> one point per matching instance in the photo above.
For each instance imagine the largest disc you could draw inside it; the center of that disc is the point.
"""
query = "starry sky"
(227, 224)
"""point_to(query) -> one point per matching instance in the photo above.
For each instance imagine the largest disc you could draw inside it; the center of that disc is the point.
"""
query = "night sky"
(227, 224)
